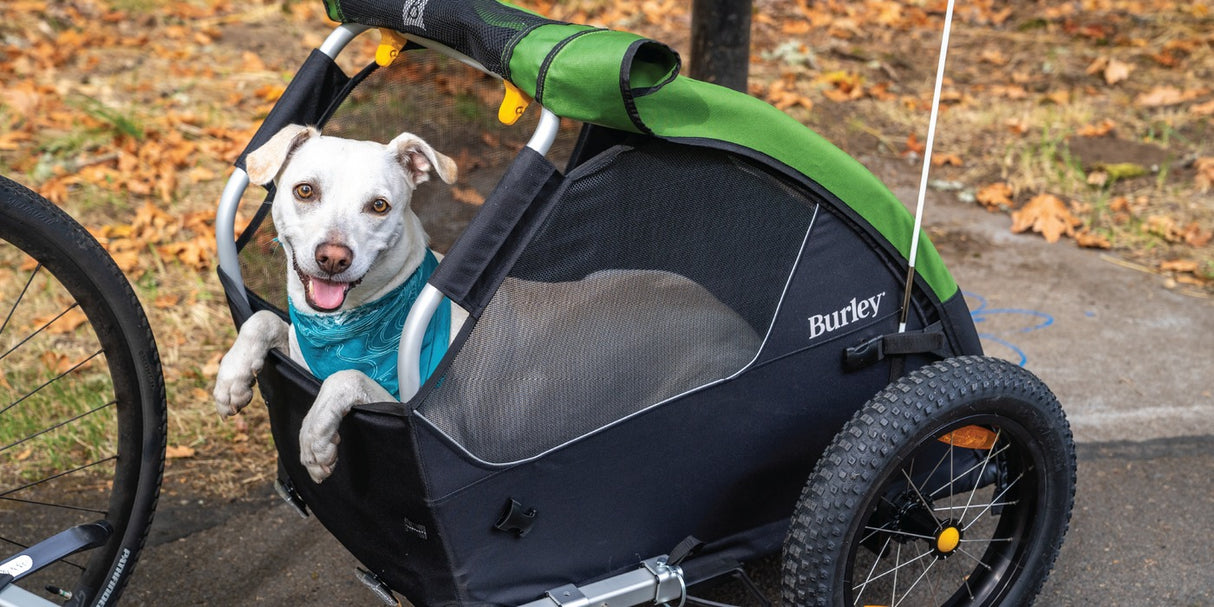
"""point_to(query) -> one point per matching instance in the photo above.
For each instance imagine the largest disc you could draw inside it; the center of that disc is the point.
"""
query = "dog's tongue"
(328, 295)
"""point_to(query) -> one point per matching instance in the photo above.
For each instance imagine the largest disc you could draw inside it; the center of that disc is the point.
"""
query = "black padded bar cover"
(479, 260)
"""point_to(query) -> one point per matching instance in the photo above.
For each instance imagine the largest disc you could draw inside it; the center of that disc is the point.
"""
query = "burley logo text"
(855, 310)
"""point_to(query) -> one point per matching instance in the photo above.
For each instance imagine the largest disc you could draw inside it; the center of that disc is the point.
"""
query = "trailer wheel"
(952, 486)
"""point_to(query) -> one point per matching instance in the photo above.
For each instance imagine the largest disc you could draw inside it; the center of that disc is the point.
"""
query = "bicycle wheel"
(952, 486)
(82, 400)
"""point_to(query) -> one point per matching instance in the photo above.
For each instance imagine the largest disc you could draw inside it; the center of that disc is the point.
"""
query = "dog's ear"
(418, 157)
(263, 164)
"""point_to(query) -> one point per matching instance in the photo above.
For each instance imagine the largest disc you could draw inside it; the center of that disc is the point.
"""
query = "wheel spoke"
(923, 501)
(52, 380)
(902, 533)
(20, 296)
(987, 459)
(52, 505)
(869, 577)
(970, 469)
(57, 426)
(898, 564)
(48, 323)
(60, 475)
(988, 506)
(916, 582)
(975, 559)
(21, 546)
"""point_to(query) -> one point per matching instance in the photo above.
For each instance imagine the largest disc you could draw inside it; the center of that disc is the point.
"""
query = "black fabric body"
(416, 494)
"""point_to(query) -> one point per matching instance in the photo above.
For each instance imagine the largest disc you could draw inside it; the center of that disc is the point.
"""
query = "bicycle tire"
(880, 502)
(114, 468)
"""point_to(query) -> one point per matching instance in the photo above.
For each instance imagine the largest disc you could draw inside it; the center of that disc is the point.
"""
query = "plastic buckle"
(865, 354)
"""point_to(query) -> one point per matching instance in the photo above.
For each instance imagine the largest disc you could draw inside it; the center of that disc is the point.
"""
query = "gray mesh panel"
(658, 272)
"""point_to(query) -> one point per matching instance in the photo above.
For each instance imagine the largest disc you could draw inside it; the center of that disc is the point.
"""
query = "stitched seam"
(543, 73)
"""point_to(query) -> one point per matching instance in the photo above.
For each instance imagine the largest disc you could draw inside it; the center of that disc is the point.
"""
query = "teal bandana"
(367, 338)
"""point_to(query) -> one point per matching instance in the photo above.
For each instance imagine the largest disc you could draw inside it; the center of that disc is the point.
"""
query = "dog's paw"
(318, 440)
(233, 386)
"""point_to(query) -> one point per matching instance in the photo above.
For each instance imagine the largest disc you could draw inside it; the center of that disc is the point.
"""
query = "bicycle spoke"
(981, 472)
(48, 323)
(60, 475)
(20, 296)
(923, 501)
(987, 540)
(988, 506)
(53, 380)
(916, 582)
(971, 469)
(21, 547)
(898, 564)
(975, 559)
(57, 426)
(53, 505)
(869, 578)
(902, 533)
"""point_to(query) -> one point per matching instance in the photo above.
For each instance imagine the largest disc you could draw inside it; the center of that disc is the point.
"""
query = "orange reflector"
(970, 437)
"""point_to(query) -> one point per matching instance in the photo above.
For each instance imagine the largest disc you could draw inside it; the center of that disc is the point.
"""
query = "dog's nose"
(333, 258)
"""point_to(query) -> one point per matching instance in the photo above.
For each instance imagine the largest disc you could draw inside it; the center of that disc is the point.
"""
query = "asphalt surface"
(1128, 357)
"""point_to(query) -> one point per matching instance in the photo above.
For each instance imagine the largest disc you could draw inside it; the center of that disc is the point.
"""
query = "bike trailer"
(663, 336)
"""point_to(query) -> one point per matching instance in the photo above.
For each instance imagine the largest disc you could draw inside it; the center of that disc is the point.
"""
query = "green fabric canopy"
(624, 81)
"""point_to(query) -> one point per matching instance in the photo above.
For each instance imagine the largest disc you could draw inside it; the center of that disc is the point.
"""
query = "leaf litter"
(129, 114)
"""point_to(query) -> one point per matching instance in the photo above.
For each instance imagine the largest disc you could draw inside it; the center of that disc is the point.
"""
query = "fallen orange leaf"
(1047, 215)
(1100, 129)
(178, 452)
(1178, 265)
(63, 325)
(1205, 173)
(995, 196)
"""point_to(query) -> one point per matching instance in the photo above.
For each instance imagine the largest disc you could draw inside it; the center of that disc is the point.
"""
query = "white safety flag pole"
(927, 163)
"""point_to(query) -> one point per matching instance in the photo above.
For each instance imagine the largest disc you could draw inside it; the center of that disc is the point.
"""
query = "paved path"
(1129, 359)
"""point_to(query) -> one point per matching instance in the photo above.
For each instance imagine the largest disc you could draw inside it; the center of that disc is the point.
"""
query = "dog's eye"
(381, 206)
(304, 191)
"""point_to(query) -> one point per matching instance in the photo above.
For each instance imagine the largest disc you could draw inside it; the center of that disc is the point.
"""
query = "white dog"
(354, 249)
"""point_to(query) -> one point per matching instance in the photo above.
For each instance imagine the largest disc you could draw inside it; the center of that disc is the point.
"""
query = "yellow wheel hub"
(948, 539)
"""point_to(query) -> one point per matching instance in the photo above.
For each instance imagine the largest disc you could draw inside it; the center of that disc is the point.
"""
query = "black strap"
(930, 340)
(689, 546)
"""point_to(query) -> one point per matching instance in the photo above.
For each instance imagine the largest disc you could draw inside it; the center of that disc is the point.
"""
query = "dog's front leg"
(239, 367)
(318, 436)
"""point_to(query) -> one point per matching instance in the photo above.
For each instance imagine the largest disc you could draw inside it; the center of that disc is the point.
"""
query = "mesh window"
(658, 271)
(451, 106)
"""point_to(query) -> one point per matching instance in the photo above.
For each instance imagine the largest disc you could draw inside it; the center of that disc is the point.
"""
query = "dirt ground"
(1083, 121)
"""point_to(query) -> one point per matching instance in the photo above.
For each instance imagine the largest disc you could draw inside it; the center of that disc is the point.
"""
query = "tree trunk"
(720, 42)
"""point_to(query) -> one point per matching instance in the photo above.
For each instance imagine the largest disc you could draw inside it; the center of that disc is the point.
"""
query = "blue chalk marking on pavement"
(982, 314)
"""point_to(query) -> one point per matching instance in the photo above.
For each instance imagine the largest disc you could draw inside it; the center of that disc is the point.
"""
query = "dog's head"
(342, 212)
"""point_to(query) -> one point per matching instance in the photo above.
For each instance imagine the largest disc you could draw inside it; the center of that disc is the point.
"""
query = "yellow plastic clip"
(390, 43)
(514, 103)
